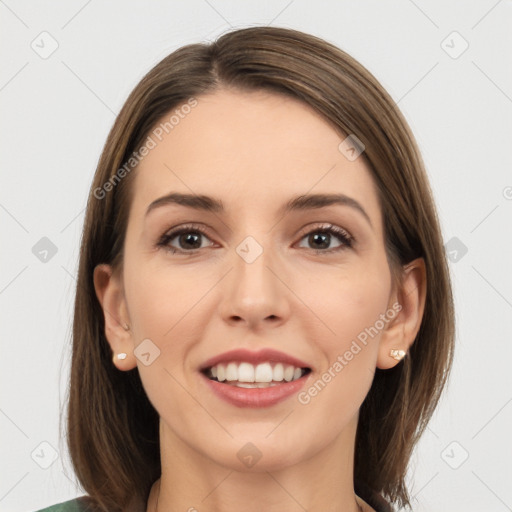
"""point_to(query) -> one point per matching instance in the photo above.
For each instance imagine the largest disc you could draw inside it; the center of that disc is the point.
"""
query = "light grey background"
(57, 110)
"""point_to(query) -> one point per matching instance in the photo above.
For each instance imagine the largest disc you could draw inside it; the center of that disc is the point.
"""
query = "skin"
(255, 151)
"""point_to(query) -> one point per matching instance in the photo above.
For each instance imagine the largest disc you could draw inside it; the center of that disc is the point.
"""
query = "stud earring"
(126, 327)
(397, 354)
(121, 355)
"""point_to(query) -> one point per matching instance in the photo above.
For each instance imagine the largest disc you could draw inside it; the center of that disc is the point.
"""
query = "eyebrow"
(299, 203)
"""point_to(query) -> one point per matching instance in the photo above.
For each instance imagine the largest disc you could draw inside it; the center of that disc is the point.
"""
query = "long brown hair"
(112, 428)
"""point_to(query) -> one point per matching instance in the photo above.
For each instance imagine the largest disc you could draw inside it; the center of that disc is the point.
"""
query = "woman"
(253, 328)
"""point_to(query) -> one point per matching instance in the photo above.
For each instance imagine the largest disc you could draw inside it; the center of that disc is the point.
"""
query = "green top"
(374, 499)
(86, 504)
(75, 505)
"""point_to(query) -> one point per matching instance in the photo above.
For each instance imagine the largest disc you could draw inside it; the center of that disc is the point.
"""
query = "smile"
(247, 375)
(246, 378)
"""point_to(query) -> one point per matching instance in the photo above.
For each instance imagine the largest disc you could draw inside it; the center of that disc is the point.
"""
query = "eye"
(321, 237)
(188, 239)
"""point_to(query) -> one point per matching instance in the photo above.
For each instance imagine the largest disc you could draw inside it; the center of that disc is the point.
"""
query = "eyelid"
(325, 226)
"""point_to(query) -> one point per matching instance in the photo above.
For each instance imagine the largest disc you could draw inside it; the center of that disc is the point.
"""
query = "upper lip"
(260, 356)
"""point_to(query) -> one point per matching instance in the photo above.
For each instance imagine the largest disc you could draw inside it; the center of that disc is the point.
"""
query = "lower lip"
(255, 397)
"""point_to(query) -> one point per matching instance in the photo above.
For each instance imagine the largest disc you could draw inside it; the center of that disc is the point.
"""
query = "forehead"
(253, 150)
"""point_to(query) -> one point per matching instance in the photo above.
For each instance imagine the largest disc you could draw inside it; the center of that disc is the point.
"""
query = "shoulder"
(76, 505)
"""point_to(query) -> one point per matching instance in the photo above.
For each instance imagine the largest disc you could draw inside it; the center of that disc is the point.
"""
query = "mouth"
(254, 379)
(250, 376)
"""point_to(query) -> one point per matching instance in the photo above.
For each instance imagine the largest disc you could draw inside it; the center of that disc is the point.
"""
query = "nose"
(255, 294)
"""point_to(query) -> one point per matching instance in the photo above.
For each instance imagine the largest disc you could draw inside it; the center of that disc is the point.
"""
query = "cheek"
(167, 305)
(349, 303)
(160, 294)
(164, 309)
(350, 307)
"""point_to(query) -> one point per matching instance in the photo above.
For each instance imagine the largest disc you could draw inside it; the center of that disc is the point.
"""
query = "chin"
(258, 453)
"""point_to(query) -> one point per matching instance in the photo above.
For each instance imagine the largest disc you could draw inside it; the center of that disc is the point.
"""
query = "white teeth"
(221, 373)
(245, 385)
(245, 372)
(263, 374)
(288, 373)
(253, 384)
(232, 371)
(278, 372)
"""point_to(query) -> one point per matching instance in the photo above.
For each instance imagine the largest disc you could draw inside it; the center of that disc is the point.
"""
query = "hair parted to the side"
(112, 428)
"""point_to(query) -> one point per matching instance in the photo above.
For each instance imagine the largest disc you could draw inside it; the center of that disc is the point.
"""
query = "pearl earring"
(397, 354)
(121, 355)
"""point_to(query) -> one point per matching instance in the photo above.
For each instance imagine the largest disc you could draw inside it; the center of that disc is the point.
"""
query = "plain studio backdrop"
(68, 66)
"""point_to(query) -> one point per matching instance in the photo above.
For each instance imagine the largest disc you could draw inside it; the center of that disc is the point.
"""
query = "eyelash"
(346, 239)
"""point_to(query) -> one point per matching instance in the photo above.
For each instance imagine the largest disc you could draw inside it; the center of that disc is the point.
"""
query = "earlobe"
(401, 332)
(109, 291)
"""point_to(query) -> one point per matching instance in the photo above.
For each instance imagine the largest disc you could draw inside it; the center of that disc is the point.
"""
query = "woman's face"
(254, 275)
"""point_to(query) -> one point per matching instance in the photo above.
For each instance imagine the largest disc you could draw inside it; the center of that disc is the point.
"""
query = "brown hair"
(113, 431)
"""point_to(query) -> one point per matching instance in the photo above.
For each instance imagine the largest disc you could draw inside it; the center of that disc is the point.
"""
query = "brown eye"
(186, 239)
(320, 239)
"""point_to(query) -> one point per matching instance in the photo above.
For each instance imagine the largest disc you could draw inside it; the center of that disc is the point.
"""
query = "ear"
(409, 300)
(109, 290)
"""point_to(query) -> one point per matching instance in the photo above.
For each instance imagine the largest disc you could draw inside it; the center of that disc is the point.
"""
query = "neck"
(192, 481)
